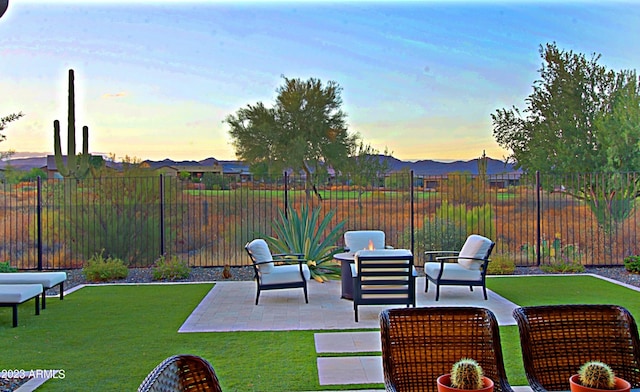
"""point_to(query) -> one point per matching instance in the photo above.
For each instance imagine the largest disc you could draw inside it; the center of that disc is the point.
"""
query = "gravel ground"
(144, 275)
(200, 274)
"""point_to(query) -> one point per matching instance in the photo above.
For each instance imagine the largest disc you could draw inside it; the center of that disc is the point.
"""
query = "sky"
(156, 79)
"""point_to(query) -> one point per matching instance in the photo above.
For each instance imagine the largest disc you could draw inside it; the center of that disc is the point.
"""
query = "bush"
(172, 269)
(99, 269)
(562, 267)
(6, 267)
(632, 264)
(501, 265)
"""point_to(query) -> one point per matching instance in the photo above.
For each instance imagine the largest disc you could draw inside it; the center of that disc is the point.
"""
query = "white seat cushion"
(18, 293)
(452, 271)
(260, 252)
(475, 246)
(357, 240)
(286, 274)
(46, 279)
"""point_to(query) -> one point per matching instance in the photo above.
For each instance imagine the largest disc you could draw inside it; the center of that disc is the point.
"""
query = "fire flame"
(371, 247)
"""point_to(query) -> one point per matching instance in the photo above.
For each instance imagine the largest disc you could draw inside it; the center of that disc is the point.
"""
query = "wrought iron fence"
(58, 224)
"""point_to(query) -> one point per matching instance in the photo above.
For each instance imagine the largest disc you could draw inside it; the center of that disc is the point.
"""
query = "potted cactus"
(597, 376)
(466, 374)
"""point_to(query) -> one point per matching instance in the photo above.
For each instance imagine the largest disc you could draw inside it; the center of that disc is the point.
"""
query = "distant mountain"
(420, 168)
(25, 163)
(430, 167)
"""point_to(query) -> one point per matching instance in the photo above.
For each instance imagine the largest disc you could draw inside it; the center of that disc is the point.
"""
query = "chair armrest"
(346, 249)
(447, 258)
(283, 255)
(299, 261)
(431, 253)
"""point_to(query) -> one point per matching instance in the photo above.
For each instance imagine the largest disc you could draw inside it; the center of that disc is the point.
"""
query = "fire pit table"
(346, 259)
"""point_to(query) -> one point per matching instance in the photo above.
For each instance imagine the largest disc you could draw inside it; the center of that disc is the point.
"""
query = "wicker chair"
(557, 339)
(181, 373)
(421, 344)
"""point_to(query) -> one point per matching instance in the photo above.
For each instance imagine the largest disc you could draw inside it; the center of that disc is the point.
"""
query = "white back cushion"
(357, 240)
(475, 246)
(260, 252)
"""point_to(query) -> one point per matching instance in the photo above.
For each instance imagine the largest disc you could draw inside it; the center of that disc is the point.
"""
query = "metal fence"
(59, 224)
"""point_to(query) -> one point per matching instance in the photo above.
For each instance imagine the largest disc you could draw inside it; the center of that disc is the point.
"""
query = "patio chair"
(557, 339)
(421, 344)
(468, 267)
(277, 271)
(181, 373)
(383, 277)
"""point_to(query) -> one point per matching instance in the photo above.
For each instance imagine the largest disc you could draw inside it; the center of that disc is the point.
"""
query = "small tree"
(305, 130)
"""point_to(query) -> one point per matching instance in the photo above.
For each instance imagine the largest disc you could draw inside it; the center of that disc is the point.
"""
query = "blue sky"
(156, 79)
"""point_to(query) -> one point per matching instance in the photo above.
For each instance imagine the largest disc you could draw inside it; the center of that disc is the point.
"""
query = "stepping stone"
(350, 370)
(348, 342)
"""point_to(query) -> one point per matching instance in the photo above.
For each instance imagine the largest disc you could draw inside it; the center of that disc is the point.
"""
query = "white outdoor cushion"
(357, 240)
(452, 271)
(260, 251)
(46, 279)
(475, 246)
(285, 274)
(18, 293)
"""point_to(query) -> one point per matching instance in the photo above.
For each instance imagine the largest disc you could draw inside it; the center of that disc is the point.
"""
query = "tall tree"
(305, 130)
(580, 118)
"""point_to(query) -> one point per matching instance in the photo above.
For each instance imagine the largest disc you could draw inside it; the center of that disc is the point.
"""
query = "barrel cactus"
(597, 375)
(466, 374)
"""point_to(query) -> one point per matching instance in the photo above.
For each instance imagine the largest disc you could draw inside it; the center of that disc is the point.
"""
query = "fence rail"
(59, 224)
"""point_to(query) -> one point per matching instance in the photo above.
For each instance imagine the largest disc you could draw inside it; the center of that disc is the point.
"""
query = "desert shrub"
(562, 267)
(632, 264)
(215, 181)
(171, 269)
(501, 264)
(99, 269)
(439, 234)
(6, 267)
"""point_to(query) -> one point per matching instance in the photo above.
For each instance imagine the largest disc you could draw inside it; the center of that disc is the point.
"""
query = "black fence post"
(538, 219)
(411, 212)
(161, 214)
(286, 195)
(39, 221)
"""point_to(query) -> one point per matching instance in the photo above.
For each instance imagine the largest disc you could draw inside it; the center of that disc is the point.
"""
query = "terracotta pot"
(620, 386)
(444, 384)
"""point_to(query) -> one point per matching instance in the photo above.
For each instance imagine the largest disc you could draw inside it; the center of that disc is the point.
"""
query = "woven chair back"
(557, 339)
(421, 344)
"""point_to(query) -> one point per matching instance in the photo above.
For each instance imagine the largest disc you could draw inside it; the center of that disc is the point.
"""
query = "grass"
(110, 337)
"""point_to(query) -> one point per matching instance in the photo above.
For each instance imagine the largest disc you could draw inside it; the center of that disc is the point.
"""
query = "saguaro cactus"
(76, 167)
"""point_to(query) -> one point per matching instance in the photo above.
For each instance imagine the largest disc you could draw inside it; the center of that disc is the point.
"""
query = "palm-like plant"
(303, 233)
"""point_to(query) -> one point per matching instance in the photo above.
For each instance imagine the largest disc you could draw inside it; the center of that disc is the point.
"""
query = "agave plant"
(308, 234)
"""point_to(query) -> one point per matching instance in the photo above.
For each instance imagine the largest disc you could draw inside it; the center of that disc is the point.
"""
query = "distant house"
(194, 169)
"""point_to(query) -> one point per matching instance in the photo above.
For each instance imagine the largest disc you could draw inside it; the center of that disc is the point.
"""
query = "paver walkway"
(230, 306)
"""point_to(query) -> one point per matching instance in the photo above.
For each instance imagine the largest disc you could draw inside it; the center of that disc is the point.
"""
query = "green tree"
(305, 130)
(580, 118)
(366, 167)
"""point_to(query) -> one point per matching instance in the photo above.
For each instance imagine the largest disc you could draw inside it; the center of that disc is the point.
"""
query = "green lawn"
(109, 338)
